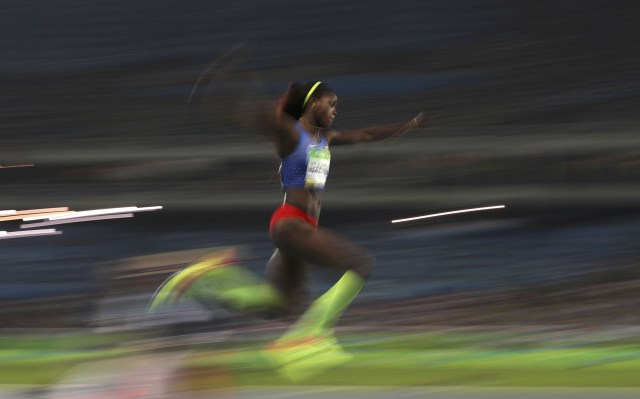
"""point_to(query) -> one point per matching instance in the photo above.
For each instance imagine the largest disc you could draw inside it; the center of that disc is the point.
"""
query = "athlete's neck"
(311, 128)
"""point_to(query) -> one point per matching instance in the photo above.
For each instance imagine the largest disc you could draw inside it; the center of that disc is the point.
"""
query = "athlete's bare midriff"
(305, 199)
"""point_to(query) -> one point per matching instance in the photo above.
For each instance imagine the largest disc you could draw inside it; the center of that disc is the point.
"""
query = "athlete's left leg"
(219, 279)
(289, 276)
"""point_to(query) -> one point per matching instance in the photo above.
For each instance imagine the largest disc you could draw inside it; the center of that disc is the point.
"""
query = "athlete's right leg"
(288, 275)
(309, 346)
(320, 246)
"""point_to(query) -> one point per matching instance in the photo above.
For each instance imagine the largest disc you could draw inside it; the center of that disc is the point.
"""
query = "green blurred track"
(379, 360)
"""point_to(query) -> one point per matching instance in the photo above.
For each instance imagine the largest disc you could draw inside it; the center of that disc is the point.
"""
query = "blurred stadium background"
(536, 107)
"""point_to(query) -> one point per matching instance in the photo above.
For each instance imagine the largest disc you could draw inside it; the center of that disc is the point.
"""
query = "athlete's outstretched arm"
(377, 133)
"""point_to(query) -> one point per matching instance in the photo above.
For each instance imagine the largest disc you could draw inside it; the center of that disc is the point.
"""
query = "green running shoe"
(177, 285)
(302, 358)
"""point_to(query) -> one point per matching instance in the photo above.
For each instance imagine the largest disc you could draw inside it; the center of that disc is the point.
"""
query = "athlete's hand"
(416, 122)
(420, 120)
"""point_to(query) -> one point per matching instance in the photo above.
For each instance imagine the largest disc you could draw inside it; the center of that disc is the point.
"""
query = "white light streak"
(94, 212)
(8, 212)
(485, 208)
(77, 214)
(4, 235)
(76, 220)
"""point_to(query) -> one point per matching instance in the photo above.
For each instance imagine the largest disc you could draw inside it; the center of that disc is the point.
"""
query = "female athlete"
(301, 129)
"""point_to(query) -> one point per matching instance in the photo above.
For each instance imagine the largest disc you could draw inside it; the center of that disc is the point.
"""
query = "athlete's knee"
(362, 264)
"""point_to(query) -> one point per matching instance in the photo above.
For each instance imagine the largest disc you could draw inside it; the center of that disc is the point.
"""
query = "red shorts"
(290, 211)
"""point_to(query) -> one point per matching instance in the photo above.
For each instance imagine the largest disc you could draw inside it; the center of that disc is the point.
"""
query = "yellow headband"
(313, 88)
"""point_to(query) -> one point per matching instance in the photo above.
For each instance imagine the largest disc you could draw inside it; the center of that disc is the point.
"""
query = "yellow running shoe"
(300, 359)
(174, 287)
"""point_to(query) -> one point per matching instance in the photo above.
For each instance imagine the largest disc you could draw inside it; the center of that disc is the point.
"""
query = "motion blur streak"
(30, 233)
(485, 208)
(56, 221)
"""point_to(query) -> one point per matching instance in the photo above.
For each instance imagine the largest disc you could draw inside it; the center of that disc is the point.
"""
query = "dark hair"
(293, 99)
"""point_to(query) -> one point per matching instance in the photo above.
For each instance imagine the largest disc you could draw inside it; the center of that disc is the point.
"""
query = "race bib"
(318, 160)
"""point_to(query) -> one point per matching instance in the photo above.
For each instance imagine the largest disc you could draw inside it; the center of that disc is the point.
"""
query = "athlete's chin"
(327, 124)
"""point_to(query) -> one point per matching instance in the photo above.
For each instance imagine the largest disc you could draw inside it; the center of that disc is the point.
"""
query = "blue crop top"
(308, 165)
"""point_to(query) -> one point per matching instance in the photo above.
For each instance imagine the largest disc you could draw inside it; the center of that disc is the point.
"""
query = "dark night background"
(535, 103)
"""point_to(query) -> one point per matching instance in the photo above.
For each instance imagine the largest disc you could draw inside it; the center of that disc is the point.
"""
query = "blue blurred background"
(536, 107)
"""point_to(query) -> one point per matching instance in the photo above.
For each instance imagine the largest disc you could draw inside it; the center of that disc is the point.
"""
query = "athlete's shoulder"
(331, 134)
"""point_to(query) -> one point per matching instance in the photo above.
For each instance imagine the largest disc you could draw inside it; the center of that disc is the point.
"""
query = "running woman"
(301, 130)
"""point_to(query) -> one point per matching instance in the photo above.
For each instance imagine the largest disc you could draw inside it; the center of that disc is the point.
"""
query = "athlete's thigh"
(288, 274)
(321, 246)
